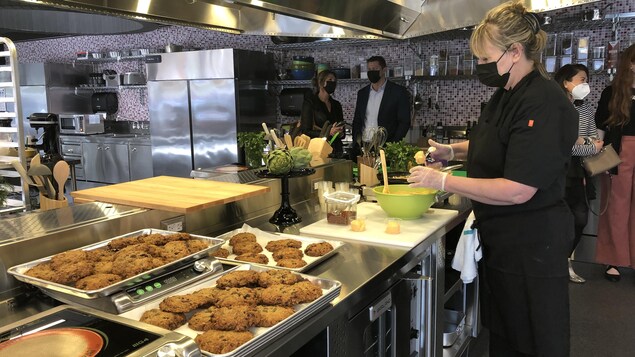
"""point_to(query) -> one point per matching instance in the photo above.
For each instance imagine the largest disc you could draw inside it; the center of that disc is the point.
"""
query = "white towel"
(467, 254)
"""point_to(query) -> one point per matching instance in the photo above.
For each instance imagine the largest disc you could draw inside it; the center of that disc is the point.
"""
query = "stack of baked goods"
(227, 314)
(122, 258)
(286, 252)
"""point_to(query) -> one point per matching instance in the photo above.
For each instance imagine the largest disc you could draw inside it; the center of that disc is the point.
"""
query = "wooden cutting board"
(172, 194)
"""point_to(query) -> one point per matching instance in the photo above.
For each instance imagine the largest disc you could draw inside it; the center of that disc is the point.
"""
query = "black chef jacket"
(526, 135)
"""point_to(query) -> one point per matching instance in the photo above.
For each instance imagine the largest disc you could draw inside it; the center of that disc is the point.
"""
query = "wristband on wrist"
(451, 153)
(445, 176)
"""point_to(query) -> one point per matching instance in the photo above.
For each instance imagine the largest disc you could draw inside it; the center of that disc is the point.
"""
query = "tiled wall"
(458, 100)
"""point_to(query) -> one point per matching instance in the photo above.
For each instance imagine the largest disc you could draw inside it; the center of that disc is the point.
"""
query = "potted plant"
(400, 155)
(254, 144)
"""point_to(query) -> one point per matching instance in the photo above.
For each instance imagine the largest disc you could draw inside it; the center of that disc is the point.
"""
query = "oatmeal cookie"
(242, 238)
(166, 320)
(289, 295)
(97, 281)
(149, 249)
(277, 276)
(103, 267)
(43, 271)
(68, 257)
(220, 253)
(175, 250)
(70, 273)
(120, 243)
(99, 255)
(238, 279)
(318, 249)
(253, 258)
(271, 315)
(246, 247)
(233, 318)
(196, 245)
(287, 253)
(214, 341)
(274, 245)
(182, 303)
(291, 263)
(308, 291)
(208, 296)
(236, 296)
(133, 263)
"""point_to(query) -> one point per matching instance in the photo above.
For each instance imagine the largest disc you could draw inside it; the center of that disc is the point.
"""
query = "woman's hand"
(440, 151)
(336, 128)
(421, 176)
(599, 144)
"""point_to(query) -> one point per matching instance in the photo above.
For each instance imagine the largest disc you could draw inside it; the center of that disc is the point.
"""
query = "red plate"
(66, 342)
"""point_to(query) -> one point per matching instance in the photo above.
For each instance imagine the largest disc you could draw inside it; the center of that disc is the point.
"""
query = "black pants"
(574, 196)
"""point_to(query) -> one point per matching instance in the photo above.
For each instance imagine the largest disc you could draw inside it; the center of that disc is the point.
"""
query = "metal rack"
(12, 136)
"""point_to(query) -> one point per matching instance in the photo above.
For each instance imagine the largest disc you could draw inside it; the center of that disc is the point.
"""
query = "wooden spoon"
(61, 170)
(384, 170)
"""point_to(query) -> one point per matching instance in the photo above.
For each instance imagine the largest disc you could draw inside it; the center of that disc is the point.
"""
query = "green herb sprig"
(400, 155)
(254, 144)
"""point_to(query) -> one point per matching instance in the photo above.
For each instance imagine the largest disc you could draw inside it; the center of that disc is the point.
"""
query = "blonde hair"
(510, 23)
(621, 97)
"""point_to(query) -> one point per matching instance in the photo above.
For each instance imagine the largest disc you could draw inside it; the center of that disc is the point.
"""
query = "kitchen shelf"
(111, 88)
(327, 43)
(113, 59)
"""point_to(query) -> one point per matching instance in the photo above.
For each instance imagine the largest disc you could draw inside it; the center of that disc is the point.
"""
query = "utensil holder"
(367, 175)
(49, 204)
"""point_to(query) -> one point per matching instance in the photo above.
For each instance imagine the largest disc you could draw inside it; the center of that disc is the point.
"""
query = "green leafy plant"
(400, 156)
(5, 188)
(254, 144)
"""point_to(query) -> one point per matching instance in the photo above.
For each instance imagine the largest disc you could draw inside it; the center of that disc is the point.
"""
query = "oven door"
(391, 325)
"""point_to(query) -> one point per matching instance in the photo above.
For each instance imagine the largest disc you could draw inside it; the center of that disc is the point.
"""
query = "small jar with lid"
(341, 207)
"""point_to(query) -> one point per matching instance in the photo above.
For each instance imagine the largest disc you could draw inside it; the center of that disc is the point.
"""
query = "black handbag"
(601, 162)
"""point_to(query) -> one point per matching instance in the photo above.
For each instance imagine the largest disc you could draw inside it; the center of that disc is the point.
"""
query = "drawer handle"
(133, 149)
(107, 148)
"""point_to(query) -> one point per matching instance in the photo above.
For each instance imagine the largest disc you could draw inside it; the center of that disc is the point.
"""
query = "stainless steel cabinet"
(106, 162)
(140, 158)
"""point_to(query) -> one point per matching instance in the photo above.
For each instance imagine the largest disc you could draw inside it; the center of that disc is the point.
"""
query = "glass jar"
(434, 65)
(341, 207)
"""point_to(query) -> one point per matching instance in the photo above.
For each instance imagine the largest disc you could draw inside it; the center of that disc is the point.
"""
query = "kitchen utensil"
(41, 173)
(325, 129)
(405, 202)
(278, 142)
(288, 141)
(333, 138)
(379, 139)
(384, 170)
(22, 171)
(61, 170)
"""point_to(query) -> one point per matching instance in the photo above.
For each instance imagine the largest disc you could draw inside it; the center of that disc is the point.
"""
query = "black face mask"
(373, 76)
(488, 73)
(330, 87)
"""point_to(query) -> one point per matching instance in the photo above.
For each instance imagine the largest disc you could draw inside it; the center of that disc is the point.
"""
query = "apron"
(524, 273)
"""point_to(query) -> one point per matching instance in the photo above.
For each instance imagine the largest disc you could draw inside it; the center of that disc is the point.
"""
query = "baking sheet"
(262, 335)
(19, 271)
(263, 238)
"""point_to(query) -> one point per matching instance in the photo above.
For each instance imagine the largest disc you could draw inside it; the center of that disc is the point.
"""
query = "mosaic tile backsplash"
(458, 99)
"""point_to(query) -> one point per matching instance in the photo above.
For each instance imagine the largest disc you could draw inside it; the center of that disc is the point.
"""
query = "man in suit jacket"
(381, 103)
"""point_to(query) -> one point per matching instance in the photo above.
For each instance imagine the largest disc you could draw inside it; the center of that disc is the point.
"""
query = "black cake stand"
(285, 216)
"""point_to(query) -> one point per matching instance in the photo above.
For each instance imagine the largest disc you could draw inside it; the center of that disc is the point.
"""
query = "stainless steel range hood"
(394, 19)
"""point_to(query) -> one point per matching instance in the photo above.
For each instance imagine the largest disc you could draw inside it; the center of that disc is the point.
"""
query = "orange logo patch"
(530, 123)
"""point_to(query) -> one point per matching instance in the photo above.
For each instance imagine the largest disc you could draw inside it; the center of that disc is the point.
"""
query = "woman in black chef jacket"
(320, 107)
(517, 159)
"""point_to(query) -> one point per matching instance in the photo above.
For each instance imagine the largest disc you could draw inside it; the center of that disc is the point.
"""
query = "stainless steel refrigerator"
(200, 100)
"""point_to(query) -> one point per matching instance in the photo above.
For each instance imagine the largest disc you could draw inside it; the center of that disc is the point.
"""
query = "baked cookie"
(307, 291)
(133, 263)
(120, 243)
(71, 272)
(97, 281)
(233, 318)
(43, 271)
(242, 238)
(220, 253)
(103, 267)
(166, 320)
(291, 263)
(214, 341)
(277, 276)
(236, 296)
(98, 255)
(208, 296)
(271, 315)
(69, 257)
(289, 295)
(175, 250)
(287, 253)
(253, 258)
(182, 303)
(318, 249)
(196, 245)
(238, 279)
(274, 245)
(246, 247)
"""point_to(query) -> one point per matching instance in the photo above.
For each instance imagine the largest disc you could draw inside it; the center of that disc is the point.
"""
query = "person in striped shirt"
(573, 78)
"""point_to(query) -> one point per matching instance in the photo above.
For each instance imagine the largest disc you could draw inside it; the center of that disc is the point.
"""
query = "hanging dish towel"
(468, 252)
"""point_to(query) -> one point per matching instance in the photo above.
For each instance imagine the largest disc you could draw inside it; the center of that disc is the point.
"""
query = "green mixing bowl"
(405, 202)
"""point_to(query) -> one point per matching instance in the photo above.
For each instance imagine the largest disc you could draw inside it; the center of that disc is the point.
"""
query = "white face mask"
(580, 91)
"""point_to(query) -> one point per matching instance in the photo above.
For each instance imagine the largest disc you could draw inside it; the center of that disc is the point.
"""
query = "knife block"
(367, 175)
(49, 204)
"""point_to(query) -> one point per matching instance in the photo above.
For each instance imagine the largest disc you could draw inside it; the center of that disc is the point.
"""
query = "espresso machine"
(46, 143)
